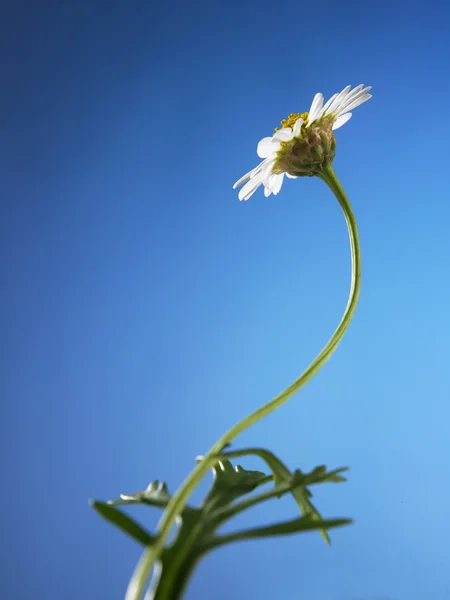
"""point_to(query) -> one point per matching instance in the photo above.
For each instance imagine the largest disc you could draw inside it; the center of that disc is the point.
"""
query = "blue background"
(145, 309)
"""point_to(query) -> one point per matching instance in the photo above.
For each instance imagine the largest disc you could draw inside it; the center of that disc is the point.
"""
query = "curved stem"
(178, 501)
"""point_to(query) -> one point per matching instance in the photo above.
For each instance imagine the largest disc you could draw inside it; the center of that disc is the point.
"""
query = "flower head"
(304, 144)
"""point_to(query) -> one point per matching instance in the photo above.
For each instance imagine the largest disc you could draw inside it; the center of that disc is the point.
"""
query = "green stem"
(139, 579)
(177, 568)
(170, 582)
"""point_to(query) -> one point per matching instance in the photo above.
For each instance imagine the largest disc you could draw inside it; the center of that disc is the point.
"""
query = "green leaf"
(320, 475)
(123, 522)
(156, 494)
(282, 474)
(301, 524)
(318, 472)
(337, 479)
(230, 483)
(229, 511)
(230, 494)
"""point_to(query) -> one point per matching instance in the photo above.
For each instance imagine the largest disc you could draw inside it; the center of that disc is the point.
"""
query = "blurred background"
(145, 309)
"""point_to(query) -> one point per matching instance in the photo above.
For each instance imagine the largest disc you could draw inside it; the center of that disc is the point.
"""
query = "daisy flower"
(304, 144)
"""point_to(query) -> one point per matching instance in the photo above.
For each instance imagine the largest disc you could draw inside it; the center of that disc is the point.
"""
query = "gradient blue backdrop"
(145, 310)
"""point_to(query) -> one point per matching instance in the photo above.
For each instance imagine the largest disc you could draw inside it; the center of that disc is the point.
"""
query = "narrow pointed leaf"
(320, 475)
(337, 479)
(123, 522)
(298, 525)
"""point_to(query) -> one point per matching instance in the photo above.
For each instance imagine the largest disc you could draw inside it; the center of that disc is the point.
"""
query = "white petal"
(352, 97)
(278, 182)
(283, 135)
(269, 181)
(273, 184)
(335, 105)
(356, 102)
(258, 168)
(327, 104)
(242, 179)
(250, 188)
(297, 127)
(291, 176)
(355, 91)
(249, 175)
(267, 192)
(341, 120)
(315, 109)
(266, 172)
(265, 147)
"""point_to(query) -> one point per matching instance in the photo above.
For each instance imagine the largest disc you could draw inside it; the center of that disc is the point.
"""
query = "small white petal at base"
(342, 120)
(265, 147)
(297, 127)
(283, 135)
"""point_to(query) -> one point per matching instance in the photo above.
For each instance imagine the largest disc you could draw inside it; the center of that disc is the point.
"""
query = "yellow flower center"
(292, 119)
